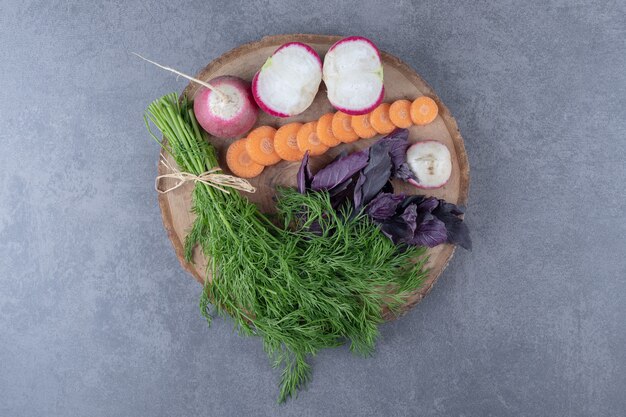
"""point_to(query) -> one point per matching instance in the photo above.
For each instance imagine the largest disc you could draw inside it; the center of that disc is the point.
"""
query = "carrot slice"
(309, 141)
(260, 146)
(240, 163)
(362, 126)
(400, 113)
(379, 119)
(325, 130)
(423, 110)
(286, 144)
(342, 127)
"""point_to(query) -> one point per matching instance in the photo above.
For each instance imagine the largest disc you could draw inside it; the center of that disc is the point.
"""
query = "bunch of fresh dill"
(300, 291)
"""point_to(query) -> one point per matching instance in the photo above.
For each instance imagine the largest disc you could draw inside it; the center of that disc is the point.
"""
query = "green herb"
(300, 291)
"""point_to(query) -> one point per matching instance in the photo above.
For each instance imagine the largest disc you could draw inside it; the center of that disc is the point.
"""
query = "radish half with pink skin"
(287, 83)
(228, 110)
(431, 163)
(353, 74)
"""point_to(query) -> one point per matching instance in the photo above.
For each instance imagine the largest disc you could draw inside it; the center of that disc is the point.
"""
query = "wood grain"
(400, 82)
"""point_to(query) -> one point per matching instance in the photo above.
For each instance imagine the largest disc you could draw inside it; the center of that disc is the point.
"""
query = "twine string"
(212, 178)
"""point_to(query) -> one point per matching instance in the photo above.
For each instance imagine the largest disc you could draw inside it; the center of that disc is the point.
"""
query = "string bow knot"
(212, 178)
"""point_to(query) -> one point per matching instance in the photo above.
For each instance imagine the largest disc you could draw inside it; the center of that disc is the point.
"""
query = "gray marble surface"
(98, 319)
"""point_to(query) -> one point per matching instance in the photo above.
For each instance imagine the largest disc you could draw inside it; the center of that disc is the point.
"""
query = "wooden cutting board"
(400, 82)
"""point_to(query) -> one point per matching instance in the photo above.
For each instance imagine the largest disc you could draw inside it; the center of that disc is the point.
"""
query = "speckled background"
(98, 319)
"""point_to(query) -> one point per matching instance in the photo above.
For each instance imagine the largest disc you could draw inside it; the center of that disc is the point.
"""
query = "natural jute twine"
(211, 178)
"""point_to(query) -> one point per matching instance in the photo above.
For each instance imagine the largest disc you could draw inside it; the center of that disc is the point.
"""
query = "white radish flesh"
(287, 83)
(431, 163)
(353, 74)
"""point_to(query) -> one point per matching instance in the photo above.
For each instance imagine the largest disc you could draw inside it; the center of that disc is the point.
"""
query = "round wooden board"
(400, 82)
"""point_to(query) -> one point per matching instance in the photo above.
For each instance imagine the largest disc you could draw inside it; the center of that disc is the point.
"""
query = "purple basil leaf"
(316, 228)
(404, 173)
(412, 199)
(384, 206)
(304, 175)
(427, 205)
(457, 230)
(358, 192)
(341, 193)
(398, 142)
(429, 232)
(459, 235)
(339, 187)
(338, 171)
(410, 217)
(400, 228)
(397, 230)
(451, 208)
(377, 171)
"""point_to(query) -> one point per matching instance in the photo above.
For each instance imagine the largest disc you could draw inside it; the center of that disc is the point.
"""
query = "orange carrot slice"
(362, 126)
(400, 113)
(240, 163)
(260, 146)
(342, 127)
(286, 144)
(325, 130)
(423, 110)
(379, 119)
(309, 141)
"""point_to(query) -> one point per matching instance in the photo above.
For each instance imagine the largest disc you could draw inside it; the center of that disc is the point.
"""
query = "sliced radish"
(431, 163)
(287, 83)
(353, 73)
(228, 110)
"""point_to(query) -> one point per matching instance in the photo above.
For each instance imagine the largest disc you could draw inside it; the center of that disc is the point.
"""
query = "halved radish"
(227, 111)
(353, 73)
(287, 83)
(431, 163)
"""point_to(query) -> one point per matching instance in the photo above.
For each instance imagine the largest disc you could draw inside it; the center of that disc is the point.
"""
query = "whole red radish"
(227, 111)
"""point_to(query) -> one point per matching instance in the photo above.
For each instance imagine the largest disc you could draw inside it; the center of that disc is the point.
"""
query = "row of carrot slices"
(267, 146)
